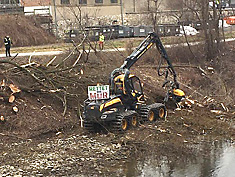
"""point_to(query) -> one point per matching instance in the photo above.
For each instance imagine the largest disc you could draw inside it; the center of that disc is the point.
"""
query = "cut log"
(15, 109)
(11, 99)
(14, 88)
(2, 118)
(3, 83)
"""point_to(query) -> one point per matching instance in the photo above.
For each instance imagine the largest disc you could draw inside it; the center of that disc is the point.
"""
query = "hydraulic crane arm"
(150, 40)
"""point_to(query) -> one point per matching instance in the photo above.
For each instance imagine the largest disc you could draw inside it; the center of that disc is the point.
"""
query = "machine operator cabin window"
(136, 84)
(82, 1)
(65, 1)
(99, 1)
(114, 1)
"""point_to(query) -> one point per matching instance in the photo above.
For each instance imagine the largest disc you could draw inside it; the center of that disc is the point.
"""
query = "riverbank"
(74, 152)
(38, 140)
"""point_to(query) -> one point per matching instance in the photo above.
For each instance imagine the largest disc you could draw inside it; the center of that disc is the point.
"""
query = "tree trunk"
(210, 24)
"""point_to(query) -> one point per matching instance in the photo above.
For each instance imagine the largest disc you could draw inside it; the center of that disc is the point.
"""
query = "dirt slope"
(39, 113)
(23, 30)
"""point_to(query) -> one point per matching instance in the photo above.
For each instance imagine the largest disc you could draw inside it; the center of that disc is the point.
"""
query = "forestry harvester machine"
(126, 107)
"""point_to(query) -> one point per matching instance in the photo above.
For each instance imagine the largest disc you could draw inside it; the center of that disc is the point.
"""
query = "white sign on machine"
(98, 92)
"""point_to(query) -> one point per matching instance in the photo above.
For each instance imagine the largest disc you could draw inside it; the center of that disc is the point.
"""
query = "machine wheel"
(134, 121)
(161, 112)
(151, 116)
(153, 112)
(89, 126)
(120, 124)
(124, 124)
(144, 113)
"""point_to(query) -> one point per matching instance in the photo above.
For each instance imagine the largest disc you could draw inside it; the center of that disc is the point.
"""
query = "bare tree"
(209, 18)
(153, 11)
(210, 23)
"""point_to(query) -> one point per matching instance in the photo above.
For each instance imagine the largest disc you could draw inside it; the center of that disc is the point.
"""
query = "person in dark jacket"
(8, 43)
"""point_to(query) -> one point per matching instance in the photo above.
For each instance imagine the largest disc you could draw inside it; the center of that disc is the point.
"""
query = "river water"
(219, 162)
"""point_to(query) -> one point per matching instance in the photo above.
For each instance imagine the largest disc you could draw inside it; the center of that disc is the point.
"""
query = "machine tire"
(151, 115)
(153, 112)
(134, 120)
(161, 112)
(89, 126)
(144, 113)
(120, 124)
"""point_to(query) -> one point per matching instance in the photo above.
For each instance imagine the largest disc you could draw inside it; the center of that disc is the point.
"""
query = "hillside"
(24, 31)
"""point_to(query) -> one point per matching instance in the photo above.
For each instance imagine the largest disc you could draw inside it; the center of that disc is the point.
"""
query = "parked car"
(230, 20)
(188, 30)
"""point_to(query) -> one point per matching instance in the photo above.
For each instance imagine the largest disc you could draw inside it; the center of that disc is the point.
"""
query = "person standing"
(101, 41)
(8, 43)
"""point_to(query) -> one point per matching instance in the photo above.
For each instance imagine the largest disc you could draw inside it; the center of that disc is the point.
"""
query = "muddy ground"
(77, 152)
(38, 140)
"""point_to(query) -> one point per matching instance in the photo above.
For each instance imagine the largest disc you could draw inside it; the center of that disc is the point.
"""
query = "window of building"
(82, 1)
(99, 1)
(65, 1)
(114, 1)
(9, 1)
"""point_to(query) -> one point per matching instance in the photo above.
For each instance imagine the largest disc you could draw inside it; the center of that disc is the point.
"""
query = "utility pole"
(56, 28)
(121, 11)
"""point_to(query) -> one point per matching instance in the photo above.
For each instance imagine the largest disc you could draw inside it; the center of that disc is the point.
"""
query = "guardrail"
(119, 31)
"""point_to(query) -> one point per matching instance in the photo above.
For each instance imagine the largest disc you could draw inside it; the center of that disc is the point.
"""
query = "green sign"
(98, 92)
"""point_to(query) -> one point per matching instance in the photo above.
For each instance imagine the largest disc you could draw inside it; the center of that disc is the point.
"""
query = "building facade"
(10, 2)
(25, 3)
(66, 9)
(30, 3)
(11, 7)
(70, 14)
(98, 12)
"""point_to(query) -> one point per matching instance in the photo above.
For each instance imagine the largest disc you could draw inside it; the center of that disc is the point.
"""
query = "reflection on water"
(219, 163)
(225, 165)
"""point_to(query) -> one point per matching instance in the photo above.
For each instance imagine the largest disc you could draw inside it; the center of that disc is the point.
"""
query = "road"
(34, 53)
(53, 53)
(106, 50)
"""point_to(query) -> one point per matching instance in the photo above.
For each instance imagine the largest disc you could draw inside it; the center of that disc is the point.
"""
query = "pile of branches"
(60, 78)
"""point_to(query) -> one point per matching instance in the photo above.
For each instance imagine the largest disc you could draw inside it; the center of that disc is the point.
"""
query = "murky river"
(220, 162)
(80, 155)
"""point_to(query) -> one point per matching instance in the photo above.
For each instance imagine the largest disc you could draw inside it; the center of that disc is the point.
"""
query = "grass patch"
(109, 44)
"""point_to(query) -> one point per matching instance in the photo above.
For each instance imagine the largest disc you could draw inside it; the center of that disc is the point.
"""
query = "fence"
(118, 31)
